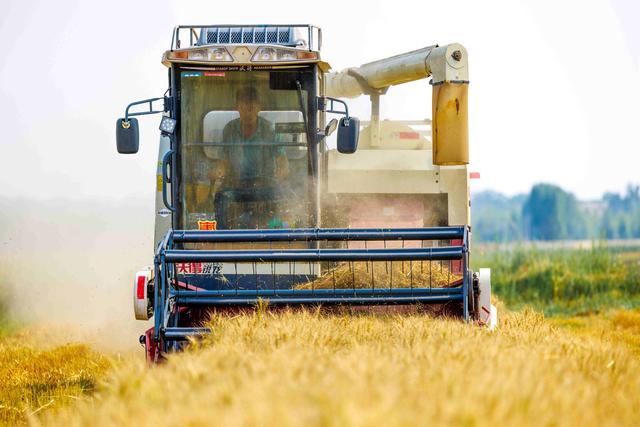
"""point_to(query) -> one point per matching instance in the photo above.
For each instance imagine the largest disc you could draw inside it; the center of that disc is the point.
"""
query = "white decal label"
(164, 212)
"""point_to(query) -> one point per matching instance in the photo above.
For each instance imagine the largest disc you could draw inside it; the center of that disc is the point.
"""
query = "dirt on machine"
(254, 205)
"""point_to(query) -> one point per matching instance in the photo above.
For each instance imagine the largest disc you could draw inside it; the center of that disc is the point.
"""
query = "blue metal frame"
(316, 234)
(168, 297)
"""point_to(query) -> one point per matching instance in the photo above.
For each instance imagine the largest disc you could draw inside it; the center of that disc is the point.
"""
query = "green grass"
(563, 281)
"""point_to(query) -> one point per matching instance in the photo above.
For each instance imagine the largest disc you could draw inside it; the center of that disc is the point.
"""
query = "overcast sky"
(554, 95)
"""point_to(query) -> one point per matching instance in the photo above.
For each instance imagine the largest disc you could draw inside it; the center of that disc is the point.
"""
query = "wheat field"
(40, 372)
(306, 368)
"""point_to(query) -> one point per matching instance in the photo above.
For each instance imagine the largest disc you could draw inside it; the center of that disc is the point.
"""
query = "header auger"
(252, 205)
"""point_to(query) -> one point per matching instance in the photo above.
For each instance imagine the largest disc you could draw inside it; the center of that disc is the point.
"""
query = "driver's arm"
(220, 168)
(282, 161)
(282, 164)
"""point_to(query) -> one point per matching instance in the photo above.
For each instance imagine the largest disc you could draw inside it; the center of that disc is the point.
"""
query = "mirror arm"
(168, 104)
(322, 106)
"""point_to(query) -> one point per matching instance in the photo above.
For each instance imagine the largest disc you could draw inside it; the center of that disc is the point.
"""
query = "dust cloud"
(68, 266)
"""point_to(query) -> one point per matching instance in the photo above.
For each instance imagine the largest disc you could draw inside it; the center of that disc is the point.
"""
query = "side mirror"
(331, 127)
(127, 138)
(348, 132)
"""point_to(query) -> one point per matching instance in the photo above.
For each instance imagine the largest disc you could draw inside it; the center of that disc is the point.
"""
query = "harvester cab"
(252, 205)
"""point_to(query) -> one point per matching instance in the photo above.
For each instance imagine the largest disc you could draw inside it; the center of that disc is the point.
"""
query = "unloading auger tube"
(449, 71)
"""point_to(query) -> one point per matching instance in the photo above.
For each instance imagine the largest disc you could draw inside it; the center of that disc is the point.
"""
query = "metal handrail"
(325, 300)
(316, 255)
(317, 234)
(266, 293)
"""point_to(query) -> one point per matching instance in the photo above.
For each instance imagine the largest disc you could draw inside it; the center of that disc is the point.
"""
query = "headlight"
(219, 54)
(199, 55)
(214, 54)
(265, 54)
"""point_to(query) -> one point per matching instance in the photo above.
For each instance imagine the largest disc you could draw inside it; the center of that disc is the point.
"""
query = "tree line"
(548, 212)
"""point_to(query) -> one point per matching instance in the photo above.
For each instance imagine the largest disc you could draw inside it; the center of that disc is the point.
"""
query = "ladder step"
(181, 334)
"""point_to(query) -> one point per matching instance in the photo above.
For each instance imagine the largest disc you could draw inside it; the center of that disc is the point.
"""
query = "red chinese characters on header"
(189, 267)
(197, 268)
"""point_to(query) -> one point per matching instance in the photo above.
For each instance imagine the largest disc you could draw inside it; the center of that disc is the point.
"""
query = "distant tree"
(550, 213)
(621, 218)
(496, 217)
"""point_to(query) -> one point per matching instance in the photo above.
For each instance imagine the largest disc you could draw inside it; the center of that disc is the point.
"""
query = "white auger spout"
(443, 63)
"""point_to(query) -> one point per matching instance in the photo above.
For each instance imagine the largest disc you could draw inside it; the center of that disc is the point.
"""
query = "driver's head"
(247, 102)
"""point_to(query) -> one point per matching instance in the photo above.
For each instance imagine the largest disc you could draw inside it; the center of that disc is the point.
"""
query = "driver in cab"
(252, 165)
(249, 158)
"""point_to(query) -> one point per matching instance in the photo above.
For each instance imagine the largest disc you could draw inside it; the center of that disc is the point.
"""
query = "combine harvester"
(252, 205)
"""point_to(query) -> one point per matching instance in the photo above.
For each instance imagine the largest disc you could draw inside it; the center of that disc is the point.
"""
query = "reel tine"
(235, 266)
(273, 275)
(411, 272)
(291, 263)
(373, 281)
(313, 286)
(333, 274)
(430, 268)
(366, 263)
(254, 266)
(353, 275)
(273, 270)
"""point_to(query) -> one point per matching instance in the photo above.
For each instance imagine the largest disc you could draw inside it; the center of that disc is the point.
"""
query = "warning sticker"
(408, 135)
(207, 225)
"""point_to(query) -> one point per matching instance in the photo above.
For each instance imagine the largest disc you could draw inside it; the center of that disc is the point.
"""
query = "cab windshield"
(244, 157)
